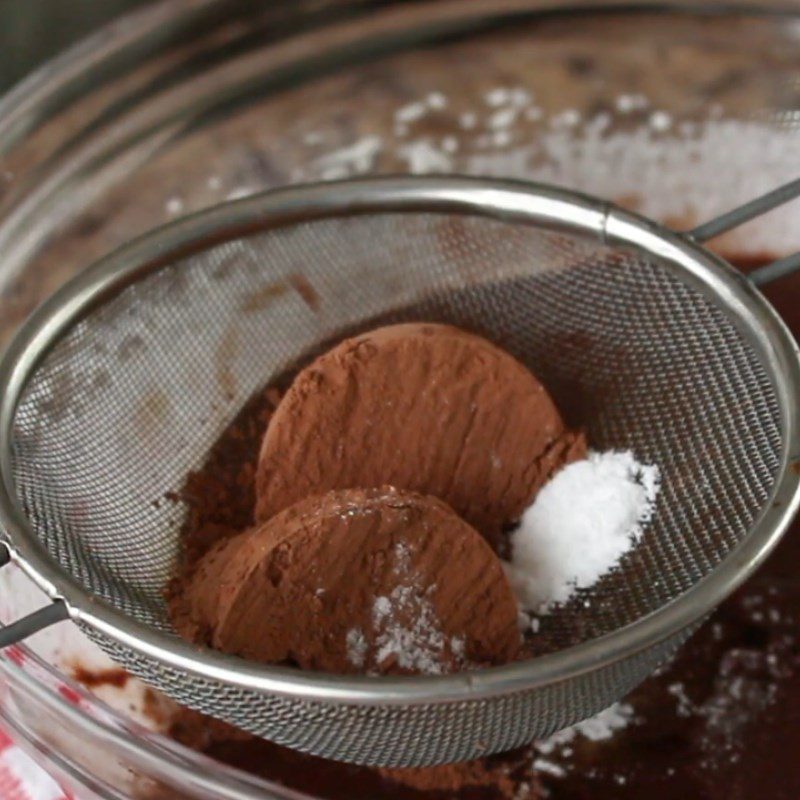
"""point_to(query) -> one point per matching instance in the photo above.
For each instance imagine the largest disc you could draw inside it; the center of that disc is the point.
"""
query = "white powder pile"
(579, 526)
(405, 627)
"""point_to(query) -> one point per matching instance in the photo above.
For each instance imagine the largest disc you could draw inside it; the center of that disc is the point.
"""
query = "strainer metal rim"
(511, 201)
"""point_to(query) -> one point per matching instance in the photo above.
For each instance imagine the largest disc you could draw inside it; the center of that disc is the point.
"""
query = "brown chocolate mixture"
(722, 722)
(93, 678)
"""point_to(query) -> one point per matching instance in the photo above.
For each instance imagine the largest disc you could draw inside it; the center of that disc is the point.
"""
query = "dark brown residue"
(93, 678)
(223, 359)
(303, 287)
(220, 496)
(581, 65)
(631, 201)
(159, 708)
(746, 263)
(262, 298)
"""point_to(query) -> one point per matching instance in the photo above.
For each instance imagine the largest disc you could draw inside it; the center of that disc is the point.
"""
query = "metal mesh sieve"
(122, 382)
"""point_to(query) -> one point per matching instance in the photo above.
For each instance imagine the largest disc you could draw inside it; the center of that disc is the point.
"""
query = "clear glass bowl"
(190, 102)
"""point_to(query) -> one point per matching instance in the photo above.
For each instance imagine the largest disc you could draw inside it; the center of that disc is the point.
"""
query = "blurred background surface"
(31, 31)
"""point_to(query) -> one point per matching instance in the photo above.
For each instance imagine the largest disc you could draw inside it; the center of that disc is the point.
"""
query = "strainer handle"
(750, 210)
(41, 618)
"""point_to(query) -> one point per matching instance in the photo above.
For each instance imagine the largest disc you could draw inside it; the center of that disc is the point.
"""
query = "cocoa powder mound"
(421, 406)
(220, 496)
(378, 580)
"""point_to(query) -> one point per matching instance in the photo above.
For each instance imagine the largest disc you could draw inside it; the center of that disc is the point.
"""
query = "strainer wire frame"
(540, 205)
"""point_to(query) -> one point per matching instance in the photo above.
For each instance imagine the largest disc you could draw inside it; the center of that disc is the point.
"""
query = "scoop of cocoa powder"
(356, 580)
(420, 406)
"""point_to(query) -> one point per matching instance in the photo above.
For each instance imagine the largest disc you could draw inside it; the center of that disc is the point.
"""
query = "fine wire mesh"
(134, 395)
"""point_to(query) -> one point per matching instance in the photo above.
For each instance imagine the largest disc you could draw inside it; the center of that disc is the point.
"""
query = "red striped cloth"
(21, 778)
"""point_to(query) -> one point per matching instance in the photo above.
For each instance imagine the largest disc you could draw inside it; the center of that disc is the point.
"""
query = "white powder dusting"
(598, 123)
(746, 685)
(568, 118)
(611, 164)
(501, 138)
(411, 112)
(685, 707)
(663, 167)
(604, 725)
(174, 205)
(503, 118)
(239, 192)
(626, 103)
(519, 97)
(743, 688)
(599, 728)
(356, 647)
(313, 138)
(548, 767)
(523, 791)
(450, 144)
(356, 159)
(497, 96)
(553, 754)
(423, 156)
(660, 121)
(405, 627)
(579, 526)
(418, 645)
(436, 101)
(599, 159)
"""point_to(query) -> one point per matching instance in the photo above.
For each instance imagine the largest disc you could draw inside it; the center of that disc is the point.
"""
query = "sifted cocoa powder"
(220, 496)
